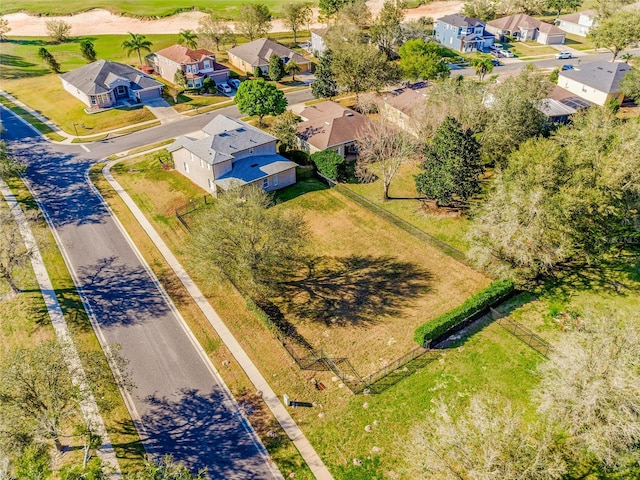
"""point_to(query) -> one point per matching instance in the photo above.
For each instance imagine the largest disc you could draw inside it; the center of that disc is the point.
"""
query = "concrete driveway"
(162, 110)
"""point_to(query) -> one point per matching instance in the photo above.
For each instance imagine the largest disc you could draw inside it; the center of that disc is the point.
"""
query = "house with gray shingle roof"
(525, 28)
(104, 84)
(597, 82)
(463, 34)
(248, 56)
(228, 153)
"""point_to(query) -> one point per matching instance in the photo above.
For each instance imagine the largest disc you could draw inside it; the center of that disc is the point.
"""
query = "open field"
(24, 321)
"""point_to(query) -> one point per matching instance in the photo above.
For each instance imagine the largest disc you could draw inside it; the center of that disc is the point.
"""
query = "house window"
(265, 182)
(208, 166)
(121, 90)
(207, 64)
(275, 180)
(186, 167)
(191, 156)
(93, 100)
(201, 163)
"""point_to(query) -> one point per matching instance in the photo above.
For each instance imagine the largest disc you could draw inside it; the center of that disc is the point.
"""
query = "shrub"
(329, 163)
(437, 327)
(298, 156)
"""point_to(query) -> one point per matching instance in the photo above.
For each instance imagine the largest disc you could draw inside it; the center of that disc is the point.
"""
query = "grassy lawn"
(24, 321)
(579, 43)
(140, 8)
(449, 228)
(34, 121)
(528, 49)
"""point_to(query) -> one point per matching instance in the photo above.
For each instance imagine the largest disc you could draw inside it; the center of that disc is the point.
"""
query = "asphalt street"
(182, 408)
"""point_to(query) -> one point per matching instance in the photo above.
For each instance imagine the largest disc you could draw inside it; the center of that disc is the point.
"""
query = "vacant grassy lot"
(578, 42)
(531, 49)
(490, 360)
(139, 8)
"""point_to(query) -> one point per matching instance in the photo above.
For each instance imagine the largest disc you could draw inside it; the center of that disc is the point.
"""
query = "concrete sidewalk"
(88, 405)
(307, 451)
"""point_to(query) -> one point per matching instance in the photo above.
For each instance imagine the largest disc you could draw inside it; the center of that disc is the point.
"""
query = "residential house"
(228, 153)
(196, 64)
(248, 56)
(403, 105)
(328, 125)
(561, 104)
(578, 23)
(462, 33)
(104, 84)
(317, 41)
(597, 82)
(525, 28)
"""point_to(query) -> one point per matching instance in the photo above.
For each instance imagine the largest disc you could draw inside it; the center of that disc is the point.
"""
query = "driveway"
(162, 110)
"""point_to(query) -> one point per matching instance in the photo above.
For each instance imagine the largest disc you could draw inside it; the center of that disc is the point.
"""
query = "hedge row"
(473, 305)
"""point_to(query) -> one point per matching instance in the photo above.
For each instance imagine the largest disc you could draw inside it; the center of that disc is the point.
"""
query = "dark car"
(496, 62)
(567, 67)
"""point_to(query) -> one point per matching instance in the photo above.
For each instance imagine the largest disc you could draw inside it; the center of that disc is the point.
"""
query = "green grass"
(529, 49)
(578, 42)
(140, 8)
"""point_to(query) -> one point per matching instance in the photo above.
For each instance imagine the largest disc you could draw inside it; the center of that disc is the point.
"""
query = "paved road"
(179, 400)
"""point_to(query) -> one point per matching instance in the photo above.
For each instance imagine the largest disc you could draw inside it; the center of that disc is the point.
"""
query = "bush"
(437, 327)
(298, 156)
(329, 163)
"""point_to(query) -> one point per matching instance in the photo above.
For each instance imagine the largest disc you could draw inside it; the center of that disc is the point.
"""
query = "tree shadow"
(121, 292)
(355, 290)
(203, 430)
(12, 67)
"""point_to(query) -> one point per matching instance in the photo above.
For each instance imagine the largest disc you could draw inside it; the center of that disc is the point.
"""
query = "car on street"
(234, 82)
(223, 87)
(496, 63)
(507, 53)
(567, 67)
(563, 55)
(496, 53)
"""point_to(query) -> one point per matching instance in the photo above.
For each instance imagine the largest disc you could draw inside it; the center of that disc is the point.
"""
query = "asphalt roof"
(95, 78)
(329, 124)
(259, 51)
(602, 76)
(250, 169)
(458, 20)
(513, 23)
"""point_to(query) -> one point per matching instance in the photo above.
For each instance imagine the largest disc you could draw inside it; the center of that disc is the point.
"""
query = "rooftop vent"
(349, 114)
(254, 165)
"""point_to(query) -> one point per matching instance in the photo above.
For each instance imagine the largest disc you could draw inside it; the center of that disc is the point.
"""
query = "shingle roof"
(181, 54)
(250, 169)
(458, 20)
(513, 23)
(602, 76)
(258, 52)
(321, 32)
(406, 99)
(330, 124)
(575, 17)
(95, 78)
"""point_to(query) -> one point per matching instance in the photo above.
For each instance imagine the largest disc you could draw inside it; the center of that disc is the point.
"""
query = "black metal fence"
(183, 211)
(522, 333)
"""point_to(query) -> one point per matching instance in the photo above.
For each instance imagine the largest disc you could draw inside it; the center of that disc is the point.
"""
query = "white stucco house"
(597, 82)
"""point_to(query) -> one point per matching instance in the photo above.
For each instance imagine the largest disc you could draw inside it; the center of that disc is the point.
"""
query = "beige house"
(402, 106)
(196, 64)
(247, 56)
(328, 125)
(597, 82)
(525, 28)
(227, 153)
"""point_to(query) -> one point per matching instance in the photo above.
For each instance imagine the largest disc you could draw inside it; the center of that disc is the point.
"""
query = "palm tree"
(627, 56)
(188, 38)
(483, 65)
(292, 67)
(136, 43)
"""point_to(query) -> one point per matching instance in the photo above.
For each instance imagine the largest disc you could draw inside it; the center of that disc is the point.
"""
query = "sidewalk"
(88, 406)
(319, 469)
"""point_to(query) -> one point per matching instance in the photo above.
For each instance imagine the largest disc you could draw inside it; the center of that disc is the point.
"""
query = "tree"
(559, 5)
(421, 28)
(13, 253)
(617, 32)
(165, 468)
(4, 29)
(136, 43)
(330, 7)
(296, 15)
(591, 392)
(188, 38)
(257, 72)
(87, 50)
(257, 97)
(49, 59)
(452, 165)
(382, 149)
(255, 21)
(324, 86)
(488, 439)
(58, 30)
(292, 67)
(513, 115)
(485, 10)
(386, 31)
(180, 78)
(358, 68)
(214, 31)
(284, 128)
(630, 84)
(356, 13)
(276, 68)
(483, 65)
(329, 163)
(258, 247)
(9, 165)
(420, 59)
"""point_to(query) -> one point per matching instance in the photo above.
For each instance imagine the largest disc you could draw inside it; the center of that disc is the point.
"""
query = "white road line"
(84, 147)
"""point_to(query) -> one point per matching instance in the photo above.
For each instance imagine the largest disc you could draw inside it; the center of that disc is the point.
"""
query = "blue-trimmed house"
(462, 33)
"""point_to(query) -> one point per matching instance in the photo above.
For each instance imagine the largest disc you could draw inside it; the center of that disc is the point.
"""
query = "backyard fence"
(522, 333)
(183, 211)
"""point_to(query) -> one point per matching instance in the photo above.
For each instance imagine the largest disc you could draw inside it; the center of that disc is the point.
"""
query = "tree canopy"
(255, 20)
(188, 38)
(296, 15)
(324, 86)
(420, 59)
(328, 163)
(212, 30)
(87, 50)
(276, 68)
(58, 30)
(257, 97)
(617, 32)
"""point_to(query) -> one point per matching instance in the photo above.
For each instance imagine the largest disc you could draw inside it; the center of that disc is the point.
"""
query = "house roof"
(601, 76)
(226, 136)
(575, 17)
(251, 169)
(406, 99)
(96, 77)
(513, 23)
(458, 20)
(259, 51)
(181, 54)
(321, 32)
(329, 124)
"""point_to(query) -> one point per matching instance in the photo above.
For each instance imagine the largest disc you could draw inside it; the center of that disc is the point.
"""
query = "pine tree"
(324, 86)
(88, 51)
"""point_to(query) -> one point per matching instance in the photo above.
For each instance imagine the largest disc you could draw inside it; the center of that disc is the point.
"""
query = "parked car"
(567, 67)
(234, 82)
(496, 63)
(223, 87)
(507, 53)
(563, 55)
(496, 54)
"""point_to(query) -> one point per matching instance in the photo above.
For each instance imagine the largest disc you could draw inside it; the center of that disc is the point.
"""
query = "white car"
(507, 53)
(234, 82)
(563, 55)
(223, 88)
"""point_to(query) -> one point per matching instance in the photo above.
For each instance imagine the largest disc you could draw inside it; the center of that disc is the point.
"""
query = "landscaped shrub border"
(447, 322)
